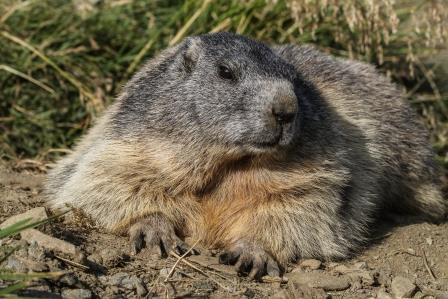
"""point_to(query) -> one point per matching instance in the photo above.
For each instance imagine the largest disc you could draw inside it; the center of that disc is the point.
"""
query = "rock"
(429, 241)
(77, 294)
(311, 264)
(69, 279)
(124, 280)
(13, 263)
(95, 258)
(36, 252)
(302, 291)
(357, 273)
(382, 294)
(51, 243)
(141, 290)
(24, 265)
(410, 251)
(34, 215)
(320, 280)
(402, 287)
(342, 269)
(165, 271)
(111, 257)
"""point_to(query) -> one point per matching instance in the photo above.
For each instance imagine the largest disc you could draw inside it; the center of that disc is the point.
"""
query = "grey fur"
(294, 153)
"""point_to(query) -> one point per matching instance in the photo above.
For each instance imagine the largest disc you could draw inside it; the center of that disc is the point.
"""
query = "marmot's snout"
(281, 112)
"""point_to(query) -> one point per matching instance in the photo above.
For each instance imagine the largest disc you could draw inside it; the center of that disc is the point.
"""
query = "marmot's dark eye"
(225, 73)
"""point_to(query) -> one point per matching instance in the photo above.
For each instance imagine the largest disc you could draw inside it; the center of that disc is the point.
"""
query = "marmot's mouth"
(271, 143)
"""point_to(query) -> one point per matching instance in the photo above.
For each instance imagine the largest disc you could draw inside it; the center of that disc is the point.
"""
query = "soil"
(406, 258)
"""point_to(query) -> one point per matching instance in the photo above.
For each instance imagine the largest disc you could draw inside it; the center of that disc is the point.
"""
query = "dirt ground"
(406, 259)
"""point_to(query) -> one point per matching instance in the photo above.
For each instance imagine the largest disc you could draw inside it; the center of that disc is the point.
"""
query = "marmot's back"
(395, 138)
(268, 153)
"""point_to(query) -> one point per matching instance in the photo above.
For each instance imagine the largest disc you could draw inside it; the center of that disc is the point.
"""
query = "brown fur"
(356, 154)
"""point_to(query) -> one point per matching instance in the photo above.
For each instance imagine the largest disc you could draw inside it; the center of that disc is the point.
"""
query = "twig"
(72, 263)
(425, 261)
(215, 271)
(179, 259)
(186, 262)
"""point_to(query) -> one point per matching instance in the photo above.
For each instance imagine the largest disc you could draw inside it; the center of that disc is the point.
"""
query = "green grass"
(14, 282)
(62, 64)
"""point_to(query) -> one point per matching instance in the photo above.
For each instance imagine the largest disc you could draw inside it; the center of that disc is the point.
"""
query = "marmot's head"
(222, 89)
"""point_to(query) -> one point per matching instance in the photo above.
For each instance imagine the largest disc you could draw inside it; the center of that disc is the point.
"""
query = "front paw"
(249, 257)
(156, 233)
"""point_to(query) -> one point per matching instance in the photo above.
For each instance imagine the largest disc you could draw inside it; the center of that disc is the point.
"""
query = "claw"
(157, 234)
(252, 259)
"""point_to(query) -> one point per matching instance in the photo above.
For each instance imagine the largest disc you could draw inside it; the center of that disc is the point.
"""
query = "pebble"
(51, 243)
(77, 294)
(110, 257)
(124, 280)
(69, 279)
(95, 258)
(311, 264)
(320, 280)
(165, 271)
(402, 287)
(36, 252)
(24, 265)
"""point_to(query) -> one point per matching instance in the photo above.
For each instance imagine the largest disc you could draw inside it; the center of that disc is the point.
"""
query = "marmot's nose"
(284, 109)
(282, 116)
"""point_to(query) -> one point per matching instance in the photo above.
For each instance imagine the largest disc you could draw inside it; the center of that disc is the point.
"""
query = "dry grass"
(62, 62)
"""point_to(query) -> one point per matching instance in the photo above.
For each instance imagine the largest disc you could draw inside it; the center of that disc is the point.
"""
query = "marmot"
(270, 153)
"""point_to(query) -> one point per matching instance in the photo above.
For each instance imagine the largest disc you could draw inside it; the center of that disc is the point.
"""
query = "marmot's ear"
(190, 53)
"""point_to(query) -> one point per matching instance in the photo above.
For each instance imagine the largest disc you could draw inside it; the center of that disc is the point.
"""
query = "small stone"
(311, 264)
(410, 251)
(402, 287)
(23, 265)
(77, 294)
(429, 241)
(51, 243)
(122, 279)
(165, 271)
(95, 258)
(111, 257)
(141, 290)
(36, 252)
(302, 291)
(69, 279)
(342, 269)
(15, 264)
(382, 294)
(320, 280)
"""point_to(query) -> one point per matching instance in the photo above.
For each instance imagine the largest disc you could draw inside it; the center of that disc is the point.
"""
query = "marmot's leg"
(250, 256)
(314, 226)
(156, 232)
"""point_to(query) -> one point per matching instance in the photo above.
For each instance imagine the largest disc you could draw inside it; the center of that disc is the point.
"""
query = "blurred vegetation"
(62, 62)
(13, 282)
